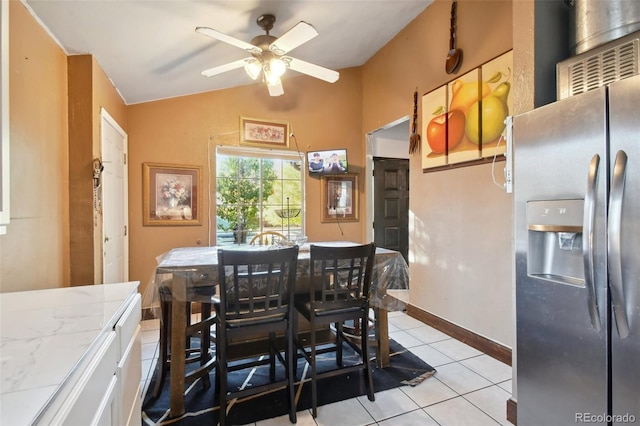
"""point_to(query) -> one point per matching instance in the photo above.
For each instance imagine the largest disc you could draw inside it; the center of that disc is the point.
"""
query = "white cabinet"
(108, 391)
(129, 370)
(81, 350)
(89, 393)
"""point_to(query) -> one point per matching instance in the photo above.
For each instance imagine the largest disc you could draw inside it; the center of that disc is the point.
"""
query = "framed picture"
(264, 133)
(171, 194)
(340, 198)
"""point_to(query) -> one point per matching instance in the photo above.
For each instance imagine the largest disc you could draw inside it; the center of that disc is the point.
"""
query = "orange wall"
(460, 221)
(34, 253)
(185, 131)
(41, 249)
(90, 90)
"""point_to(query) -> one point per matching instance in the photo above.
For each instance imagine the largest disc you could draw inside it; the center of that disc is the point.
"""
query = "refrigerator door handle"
(614, 234)
(587, 241)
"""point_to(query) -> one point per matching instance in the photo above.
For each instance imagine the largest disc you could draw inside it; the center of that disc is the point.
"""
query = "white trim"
(5, 153)
(247, 151)
(106, 117)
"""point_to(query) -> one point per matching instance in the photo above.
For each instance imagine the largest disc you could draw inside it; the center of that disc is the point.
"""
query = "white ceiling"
(151, 51)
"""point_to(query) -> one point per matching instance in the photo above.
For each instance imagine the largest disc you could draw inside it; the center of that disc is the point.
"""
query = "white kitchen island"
(71, 356)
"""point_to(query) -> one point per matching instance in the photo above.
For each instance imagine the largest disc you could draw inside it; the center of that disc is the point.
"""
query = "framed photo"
(171, 194)
(340, 198)
(264, 133)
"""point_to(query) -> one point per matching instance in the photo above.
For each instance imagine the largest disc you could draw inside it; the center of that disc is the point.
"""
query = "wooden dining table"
(187, 266)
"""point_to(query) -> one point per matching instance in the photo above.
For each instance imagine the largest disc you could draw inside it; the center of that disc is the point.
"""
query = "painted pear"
(494, 112)
(465, 94)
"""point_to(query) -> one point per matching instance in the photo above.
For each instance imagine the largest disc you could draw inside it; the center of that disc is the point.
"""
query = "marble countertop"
(45, 336)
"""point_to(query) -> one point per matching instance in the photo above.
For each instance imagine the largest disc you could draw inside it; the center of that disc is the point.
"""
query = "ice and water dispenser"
(555, 240)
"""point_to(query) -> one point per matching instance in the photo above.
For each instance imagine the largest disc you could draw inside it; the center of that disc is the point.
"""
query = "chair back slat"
(256, 284)
(341, 274)
(340, 280)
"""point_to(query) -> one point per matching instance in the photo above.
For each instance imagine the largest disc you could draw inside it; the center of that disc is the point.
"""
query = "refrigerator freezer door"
(561, 357)
(625, 351)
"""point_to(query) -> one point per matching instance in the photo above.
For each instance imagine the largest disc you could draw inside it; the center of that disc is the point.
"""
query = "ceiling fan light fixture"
(271, 78)
(253, 68)
(277, 67)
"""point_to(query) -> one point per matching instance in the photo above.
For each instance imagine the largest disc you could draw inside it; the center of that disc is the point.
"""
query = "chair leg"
(205, 342)
(291, 378)
(222, 379)
(314, 374)
(339, 340)
(165, 325)
(272, 357)
(365, 357)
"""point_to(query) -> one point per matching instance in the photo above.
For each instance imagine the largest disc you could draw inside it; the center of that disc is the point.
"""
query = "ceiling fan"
(268, 54)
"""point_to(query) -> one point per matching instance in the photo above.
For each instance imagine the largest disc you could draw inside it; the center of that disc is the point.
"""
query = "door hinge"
(125, 230)
(125, 158)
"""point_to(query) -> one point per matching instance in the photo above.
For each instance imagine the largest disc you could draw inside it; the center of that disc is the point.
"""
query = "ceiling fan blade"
(299, 34)
(276, 89)
(228, 39)
(224, 68)
(313, 70)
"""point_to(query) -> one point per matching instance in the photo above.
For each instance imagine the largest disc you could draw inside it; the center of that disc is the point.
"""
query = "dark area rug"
(201, 409)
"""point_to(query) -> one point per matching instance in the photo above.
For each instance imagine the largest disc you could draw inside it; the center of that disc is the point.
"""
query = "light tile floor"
(469, 388)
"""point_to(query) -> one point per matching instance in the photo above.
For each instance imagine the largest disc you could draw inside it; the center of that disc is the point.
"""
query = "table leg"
(382, 337)
(178, 341)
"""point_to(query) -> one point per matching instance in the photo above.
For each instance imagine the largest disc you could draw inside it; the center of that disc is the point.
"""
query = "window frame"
(262, 154)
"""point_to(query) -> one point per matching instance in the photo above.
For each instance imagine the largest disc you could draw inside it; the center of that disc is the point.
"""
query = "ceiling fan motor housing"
(266, 22)
(263, 41)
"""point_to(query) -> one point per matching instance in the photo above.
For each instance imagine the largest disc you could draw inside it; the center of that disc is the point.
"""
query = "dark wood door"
(391, 204)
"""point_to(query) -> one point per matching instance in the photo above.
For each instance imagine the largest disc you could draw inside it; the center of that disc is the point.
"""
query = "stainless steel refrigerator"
(576, 171)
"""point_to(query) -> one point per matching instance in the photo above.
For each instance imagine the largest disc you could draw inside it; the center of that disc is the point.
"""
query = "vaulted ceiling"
(150, 49)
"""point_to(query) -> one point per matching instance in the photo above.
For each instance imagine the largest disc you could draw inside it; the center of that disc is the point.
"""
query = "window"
(257, 191)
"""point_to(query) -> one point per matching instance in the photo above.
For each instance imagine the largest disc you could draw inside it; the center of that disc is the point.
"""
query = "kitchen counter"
(49, 343)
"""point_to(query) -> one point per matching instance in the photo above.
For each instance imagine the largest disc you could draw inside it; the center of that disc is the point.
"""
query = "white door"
(115, 247)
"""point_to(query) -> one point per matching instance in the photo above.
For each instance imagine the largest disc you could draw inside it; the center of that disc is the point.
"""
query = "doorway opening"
(388, 186)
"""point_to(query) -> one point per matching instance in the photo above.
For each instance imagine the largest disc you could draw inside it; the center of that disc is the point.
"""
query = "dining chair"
(340, 278)
(202, 294)
(268, 238)
(256, 294)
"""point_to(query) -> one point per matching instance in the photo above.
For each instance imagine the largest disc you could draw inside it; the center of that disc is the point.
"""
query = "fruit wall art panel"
(464, 120)
(463, 126)
(434, 118)
(496, 104)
